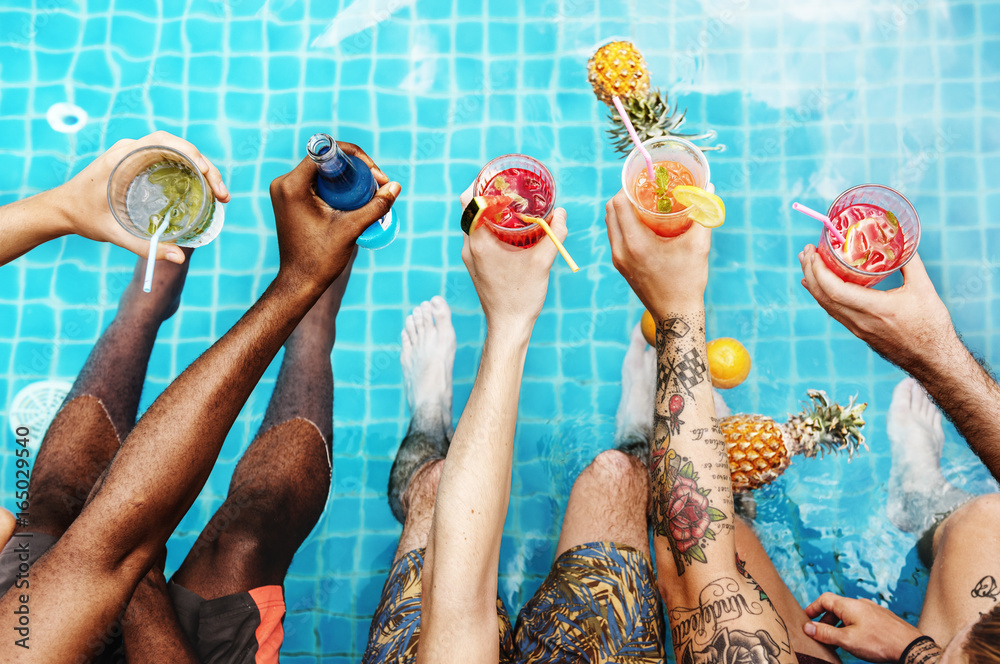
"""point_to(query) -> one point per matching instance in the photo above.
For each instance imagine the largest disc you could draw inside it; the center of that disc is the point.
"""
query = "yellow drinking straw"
(552, 236)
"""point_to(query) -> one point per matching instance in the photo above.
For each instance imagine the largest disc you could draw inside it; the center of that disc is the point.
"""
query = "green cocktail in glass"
(157, 186)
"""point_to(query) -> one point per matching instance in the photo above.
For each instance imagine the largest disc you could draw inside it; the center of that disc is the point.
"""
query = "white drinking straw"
(635, 137)
(147, 284)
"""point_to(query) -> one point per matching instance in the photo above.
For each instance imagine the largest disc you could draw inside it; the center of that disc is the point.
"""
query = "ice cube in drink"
(658, 195)
(532, 189)
(675, 162)
(882, 233)
(156, 185)
(166, 191)
(874, 239)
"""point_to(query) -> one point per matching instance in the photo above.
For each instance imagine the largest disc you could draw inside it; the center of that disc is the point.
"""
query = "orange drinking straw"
(552, 236)
(635, 138)
(809, 212)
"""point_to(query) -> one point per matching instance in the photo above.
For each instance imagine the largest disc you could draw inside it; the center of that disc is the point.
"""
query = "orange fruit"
(648, 327)
(728, 362)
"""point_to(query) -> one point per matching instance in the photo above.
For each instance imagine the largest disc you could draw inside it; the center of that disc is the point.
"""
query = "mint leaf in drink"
(664, 205)
(892, 218)
(662, 180)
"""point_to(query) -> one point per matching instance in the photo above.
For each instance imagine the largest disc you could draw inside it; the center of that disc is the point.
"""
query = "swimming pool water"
(809, 97)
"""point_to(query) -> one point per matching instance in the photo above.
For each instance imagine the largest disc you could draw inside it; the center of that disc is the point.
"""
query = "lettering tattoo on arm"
(986, 588)
(720, 630)
(681, 511)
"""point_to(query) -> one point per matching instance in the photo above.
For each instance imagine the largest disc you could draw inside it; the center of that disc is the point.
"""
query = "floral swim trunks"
(598, 604)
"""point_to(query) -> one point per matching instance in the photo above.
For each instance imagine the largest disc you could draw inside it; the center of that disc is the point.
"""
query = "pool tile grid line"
(755, 298)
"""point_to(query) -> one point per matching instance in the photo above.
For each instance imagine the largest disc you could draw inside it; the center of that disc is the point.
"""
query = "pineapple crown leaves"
(824, 426)
(651, 116)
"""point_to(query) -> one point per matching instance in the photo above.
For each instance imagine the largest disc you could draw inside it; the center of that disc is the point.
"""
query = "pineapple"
(651, 117)
(760, 449)
(618, 69)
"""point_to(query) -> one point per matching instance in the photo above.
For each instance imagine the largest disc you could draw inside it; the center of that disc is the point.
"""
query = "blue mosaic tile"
(499, 80)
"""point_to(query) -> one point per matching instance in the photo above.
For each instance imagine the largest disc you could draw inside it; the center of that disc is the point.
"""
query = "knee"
(617, 471)
(422, 492)
(979, 514)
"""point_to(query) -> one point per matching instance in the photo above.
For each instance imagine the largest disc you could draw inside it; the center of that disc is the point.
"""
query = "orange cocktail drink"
(676, 162)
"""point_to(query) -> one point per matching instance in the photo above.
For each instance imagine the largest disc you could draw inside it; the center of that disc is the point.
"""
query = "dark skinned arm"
(84, 582)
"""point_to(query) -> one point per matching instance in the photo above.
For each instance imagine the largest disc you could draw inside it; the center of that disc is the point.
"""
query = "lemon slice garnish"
(705, 208)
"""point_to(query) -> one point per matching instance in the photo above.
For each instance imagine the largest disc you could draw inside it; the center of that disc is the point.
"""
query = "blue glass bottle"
(346, 183)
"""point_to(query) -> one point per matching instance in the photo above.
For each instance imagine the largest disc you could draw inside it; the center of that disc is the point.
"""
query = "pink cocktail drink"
(881, 230)
(533, 190)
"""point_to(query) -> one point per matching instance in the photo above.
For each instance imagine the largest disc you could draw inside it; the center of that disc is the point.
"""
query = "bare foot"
(919, 494)
(165, 296)
(428, 358)
(635, 410)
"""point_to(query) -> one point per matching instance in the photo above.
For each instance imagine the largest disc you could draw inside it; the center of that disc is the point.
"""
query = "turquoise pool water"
(809, 98)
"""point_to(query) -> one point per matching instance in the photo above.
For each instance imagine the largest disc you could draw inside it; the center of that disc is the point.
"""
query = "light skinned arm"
(865, 629)
(85, 581)
(459, 611)
(80, 206)
(691, 510)
(911, 327)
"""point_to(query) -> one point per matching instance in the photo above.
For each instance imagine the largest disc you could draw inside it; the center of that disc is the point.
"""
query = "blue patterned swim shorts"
(598, 604)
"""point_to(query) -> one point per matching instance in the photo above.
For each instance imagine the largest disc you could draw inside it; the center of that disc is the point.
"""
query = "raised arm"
(717, 612)
(459, 610)
(80, 206)
(86, 579)
(910, 326)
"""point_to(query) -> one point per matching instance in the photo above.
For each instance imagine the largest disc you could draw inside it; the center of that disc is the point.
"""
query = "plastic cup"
(201, 226)
(529, 235)
(660, 149)
(887, 199)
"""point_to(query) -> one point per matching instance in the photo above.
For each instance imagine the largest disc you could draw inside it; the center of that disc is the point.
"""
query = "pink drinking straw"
(798, 207)
(635, 138)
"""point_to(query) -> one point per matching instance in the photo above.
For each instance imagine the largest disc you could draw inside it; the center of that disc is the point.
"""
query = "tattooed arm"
(717, 612)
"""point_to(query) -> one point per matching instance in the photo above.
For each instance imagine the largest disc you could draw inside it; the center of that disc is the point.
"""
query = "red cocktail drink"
(531, 187)
(881, 230)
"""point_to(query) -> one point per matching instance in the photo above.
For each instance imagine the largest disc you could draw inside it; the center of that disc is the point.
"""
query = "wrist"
(509, 336)
(678, 306)
(921, 650)
(294, 283)
(514, 329)
(51, 211)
